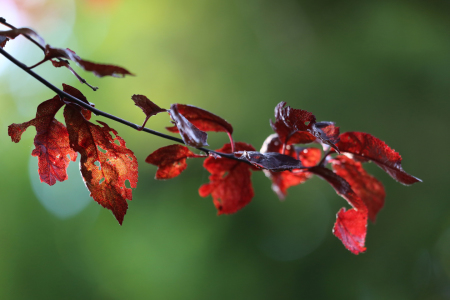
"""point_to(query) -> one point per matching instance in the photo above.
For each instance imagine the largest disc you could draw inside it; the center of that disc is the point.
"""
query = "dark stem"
(98, 112)
(322, 161)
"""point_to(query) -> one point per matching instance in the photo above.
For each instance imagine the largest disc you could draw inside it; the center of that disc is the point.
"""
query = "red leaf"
(281, 181)
(64, 63)
(351, 226)
(99, 70)
(148, 107)
(13, 33)
(367, 187)
(290, 120)
(230, 184)
(51, 141)
(351, 229)
(77, 94)
(190, 134)
(171, 160)
(365, 147)
(117, 163)
(327, 132)
(202, 119)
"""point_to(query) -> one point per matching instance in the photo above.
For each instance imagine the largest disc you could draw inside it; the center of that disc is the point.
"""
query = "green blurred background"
(381, 67)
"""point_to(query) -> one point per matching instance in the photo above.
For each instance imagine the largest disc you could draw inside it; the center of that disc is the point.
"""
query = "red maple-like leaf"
(367, 187)
(351, 229)
(148, 107)
(13, 33)
(51, 141)
(289, 120)
(190, 134)
(366, 147)
(230, 184)
(171, 160)
(117, 163)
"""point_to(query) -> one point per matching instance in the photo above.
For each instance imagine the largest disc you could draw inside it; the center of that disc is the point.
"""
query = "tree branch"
(98, 112)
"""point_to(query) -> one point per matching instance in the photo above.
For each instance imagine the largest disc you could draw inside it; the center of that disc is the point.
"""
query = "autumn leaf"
(202, 119)
(229, 183)
(51, 141)
(148, 107)
(99, 70)
(117, 163)
(327, 133)
(289, 120)
(171, 160)
(367, 187)
(351, 225)
(351, 229)
(190, 134)
(13, 33)
(281, 181)
(364, 147)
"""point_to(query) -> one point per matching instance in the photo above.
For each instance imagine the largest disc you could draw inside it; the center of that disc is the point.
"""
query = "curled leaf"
(272, 161)
(202, 119)
(171, 160)
(327, 133)
(190, 134)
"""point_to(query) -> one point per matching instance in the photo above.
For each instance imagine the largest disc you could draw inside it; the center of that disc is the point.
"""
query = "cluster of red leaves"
(287, 164)
(106, 163)
(54, 142)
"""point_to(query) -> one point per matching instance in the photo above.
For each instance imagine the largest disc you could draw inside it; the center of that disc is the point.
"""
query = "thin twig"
(81, 79)
(98, 112)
